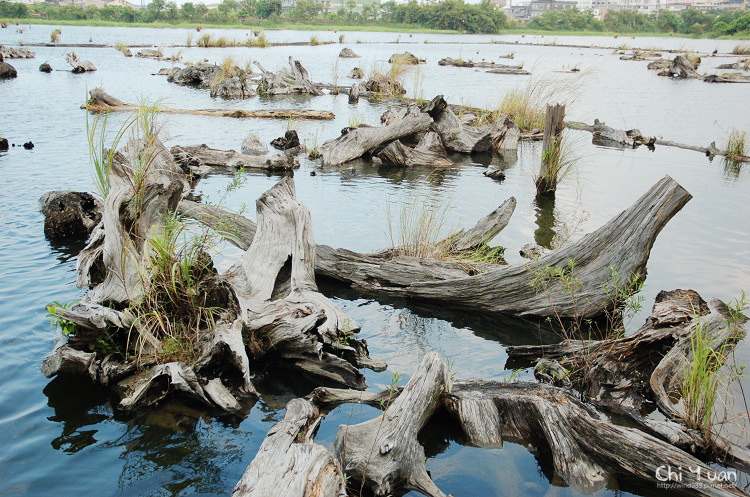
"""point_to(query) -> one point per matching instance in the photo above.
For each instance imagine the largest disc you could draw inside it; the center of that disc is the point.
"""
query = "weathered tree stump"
(552, 160)
(384, 453)
(79, 66)
(354, 94)
(428, 152)
(285, 81)
(359, 141)
(70, 214)
(288, 463)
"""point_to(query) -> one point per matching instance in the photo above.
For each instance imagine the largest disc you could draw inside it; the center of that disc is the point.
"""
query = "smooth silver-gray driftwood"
(623, 243)
(193, 158)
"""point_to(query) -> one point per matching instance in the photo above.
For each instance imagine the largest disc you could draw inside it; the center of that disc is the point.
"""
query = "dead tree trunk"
(428, 152)
(624, 242)
(289, 463)
(552, 161)
(384, 452)
(285, 81)
(354, 94)
(284, 315)
(357, 142)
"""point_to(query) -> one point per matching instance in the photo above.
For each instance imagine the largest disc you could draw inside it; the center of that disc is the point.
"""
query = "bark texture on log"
(455, 136)
(428, 152)
(504, 135)
(554, 123)
(354, 94)
(384, 452)
(360, 141)
(486, 228)
(605, 136)
(289, 464)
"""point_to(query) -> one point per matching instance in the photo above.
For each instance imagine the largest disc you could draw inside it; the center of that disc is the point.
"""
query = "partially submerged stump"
(382, 84)
(7, 71)
(407, 58)
(70, 214)
(359, 141)
(552, 160)
(295, 79)
(233, 88)
(253, 146)
(199, 76)
(45, 68)
(79, 66)
(428, 152)
(289, 141)
(384, 452)
(348, 53)
(149, 53)
(193, 158)
(681, 67)
(354, 94)
(356, 73)
(307, 469)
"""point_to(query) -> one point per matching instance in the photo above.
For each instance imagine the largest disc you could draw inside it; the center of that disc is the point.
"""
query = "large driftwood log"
(428, 152)
(623, 243)
(554, 123)
(448, 61)
(284, 316)
(194, 157)
(100, 101)
(384, 453)
(359, 141)
(285, 81)
(288, 463)
(586, 446)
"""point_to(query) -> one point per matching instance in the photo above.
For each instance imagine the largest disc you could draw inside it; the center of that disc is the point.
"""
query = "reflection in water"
(732, 169)
(66, 250)
(544, 208)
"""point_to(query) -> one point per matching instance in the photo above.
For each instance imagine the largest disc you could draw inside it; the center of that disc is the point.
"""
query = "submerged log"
(288, 463)
(196, 156)
(286, 81)
(509, 70)
(101, 102)
(448, 61)
(384, 453)
(428, 152)
(359, 141)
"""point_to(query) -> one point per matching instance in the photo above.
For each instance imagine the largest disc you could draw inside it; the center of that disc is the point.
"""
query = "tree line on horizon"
(455, 15)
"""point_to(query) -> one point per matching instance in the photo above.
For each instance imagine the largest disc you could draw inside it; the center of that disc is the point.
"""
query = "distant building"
(539, 7)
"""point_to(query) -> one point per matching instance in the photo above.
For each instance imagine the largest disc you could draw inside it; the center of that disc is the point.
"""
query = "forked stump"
(384, 452)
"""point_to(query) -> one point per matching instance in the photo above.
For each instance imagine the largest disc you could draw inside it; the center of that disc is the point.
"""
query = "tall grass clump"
(527, 105)
(736, 145)
(124, 49)
(741, 49)
(420, 225)
(55, 35)
(228, 70)
(100, 154)
(260, 41)
(189, 40)
(560, 157)
(314, 41)
(204, 40)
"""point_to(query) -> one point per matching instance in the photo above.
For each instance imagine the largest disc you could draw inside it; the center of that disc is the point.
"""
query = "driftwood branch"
(192, 158)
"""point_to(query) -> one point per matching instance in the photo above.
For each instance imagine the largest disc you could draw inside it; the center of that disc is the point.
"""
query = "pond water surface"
(66, 437)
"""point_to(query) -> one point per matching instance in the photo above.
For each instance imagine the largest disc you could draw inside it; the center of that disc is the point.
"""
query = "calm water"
(64, 437)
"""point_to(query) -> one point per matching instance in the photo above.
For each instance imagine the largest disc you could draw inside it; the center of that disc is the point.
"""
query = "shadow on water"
(504, 329)
(66, 250)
